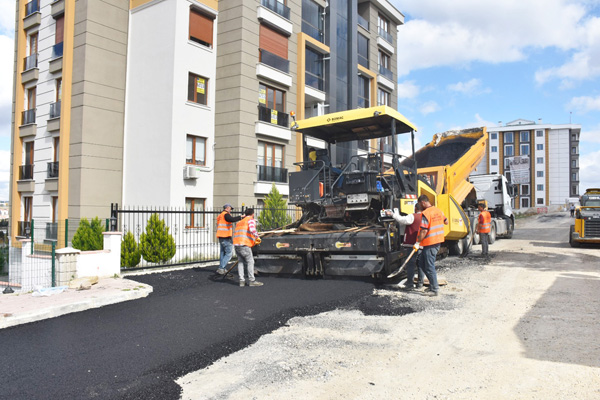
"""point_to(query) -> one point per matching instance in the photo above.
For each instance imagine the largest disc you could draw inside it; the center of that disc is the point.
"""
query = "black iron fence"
(273, 60)
(273, 116)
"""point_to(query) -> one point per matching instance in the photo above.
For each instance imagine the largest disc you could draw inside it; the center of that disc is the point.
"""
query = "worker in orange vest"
(484, 227)
(245, 237)
(429, 240)
(224, 233)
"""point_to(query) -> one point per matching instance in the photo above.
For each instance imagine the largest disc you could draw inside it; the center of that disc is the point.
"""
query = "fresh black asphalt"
(135, 350)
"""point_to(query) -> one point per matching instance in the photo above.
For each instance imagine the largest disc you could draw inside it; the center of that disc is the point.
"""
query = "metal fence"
(193, 232)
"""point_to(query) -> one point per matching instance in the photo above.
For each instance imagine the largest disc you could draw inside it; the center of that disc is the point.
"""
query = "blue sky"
(462, 64)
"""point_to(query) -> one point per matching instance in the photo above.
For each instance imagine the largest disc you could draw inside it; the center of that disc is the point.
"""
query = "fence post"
(66, 233)
(32, 230)
(106, 225)
(53, 264)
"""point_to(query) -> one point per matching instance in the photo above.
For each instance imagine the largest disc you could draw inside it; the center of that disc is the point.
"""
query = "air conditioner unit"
(190, 172)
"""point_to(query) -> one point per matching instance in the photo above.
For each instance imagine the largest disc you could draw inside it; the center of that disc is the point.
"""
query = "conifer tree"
(274, 214)
(157, 245)
(89, 236)
(130, 252)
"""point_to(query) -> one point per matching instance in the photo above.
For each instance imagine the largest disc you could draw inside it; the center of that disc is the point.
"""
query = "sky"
(462, 64)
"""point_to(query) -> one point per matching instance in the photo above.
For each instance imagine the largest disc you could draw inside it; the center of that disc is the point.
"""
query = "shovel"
(393, 274)
(229, 270)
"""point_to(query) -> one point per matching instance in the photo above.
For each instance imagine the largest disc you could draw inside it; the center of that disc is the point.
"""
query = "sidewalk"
(22, 308)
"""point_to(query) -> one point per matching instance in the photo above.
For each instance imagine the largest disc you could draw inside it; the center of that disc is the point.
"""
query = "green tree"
(157, 245)
(130, 253)
(89, 236)
(274, 215)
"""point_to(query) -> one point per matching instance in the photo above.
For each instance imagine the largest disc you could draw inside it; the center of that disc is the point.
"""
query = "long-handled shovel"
(229, 270)
(393, 274)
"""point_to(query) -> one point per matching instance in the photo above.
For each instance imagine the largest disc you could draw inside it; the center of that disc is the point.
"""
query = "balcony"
(364, 61)
(273, 116)
(26, 172)
(28, 117)
(55, 110)
(386, 35)
(57, 50)
(277, 7)
(30, 62)
(274, 61)
(31, 7)
(313, 32)
(30, 69)
(33, 17)
(386, 73)
(52, 169)
(314, 81)
(363, 22)
(24, 228)
(272, 174)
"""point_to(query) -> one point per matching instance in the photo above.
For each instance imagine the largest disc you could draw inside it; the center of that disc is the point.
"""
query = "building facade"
(542, 160)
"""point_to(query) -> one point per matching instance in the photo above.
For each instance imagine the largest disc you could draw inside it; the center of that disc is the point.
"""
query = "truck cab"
(587, 219)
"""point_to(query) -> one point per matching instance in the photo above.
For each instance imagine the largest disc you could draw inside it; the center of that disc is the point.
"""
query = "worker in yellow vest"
(430, 238)
(484, 227)
(225, 235)
(245, 237)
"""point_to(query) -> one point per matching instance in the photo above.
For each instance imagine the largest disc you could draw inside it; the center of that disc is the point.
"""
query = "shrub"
(274, 215)
(89, 236)
(157, 245)
(130, 252)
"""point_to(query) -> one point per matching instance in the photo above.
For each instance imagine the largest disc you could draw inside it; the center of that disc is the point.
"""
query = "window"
(56, 141)
(201, 28)
(509, 150)
(540, 174)
(195, 150)
(363, 51)
(524, 190)
(574, 150)
(60, 27)
(195, 219)
(509, 137)
(364, 89)
(494, 149)
(31, 94)
(270, 154)
(494, 136)
(312, 19)
(271, 97)
(197, 88)
(574, 190)
(384, 60)
(29, 153)
(524, 149)
(574, 176)
(540, 201)
(540, 188)
(54, 209)
(507, 163)
(273, 42)
(524, 136)
(507, 175)
(314, 69)
(539, 133)
(494, 161)
(524, 202)
(574, 137)
(539, 146)
(383, 98)
(574, 163)
(58, 89)
(540, 160)
(383, 23)
(27, 207)
(33, 44)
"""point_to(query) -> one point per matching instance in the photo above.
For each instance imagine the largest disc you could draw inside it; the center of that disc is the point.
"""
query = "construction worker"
(413, 223)
(484, 226)
(245, 237)
(224, 232)
(431, 236)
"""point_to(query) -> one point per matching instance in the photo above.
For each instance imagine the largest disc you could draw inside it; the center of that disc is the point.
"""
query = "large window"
(383, 30)
(273, 48)
(271, 97)
(197, 89)
(193, 219)
(384, 60)
(314, 69)
(27, 208)
(363, 51)
(312, 19)
(524, 136)
(195, 150)
(270, 154)
(364, 90)
(201, 28)
(509, 137)
(509, 150)
(524, 149)
(60, 28)
(524, 190)
(383, 97)
(524, 202)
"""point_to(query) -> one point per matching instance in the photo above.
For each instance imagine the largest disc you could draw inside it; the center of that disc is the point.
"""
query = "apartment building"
(182, 103)
(68, 110)
(542, 160)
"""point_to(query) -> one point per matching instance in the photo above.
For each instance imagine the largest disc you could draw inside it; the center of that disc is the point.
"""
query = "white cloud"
(590, 135)
(459, 32)
(584, 104)
(429, 107)
(471, 87)
(589, 170)
(408, 90)
(7, 17)
(4, 173)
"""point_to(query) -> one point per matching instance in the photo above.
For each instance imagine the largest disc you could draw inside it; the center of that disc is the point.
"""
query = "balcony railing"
(32, 7)
(57, 50)
(55, 110)
(314, 81)
(277, 7)
(28, 117)
(30, 62)
(386, 35)
(26, 172)
(364, 61)
(273, 116)
(53, 169)
(274, 61)
(312, 31)
(386, 72)
(363, 22)
(272, 174)
(24, 228)
(51, 230)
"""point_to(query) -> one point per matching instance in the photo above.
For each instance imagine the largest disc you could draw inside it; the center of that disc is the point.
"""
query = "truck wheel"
(455, 247)
(511, 227)
(476, 239)
(492, 237)
(572, 242)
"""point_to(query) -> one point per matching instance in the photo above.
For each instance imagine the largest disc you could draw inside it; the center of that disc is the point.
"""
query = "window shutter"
(201, 27)
(273, 42)
(60, 24)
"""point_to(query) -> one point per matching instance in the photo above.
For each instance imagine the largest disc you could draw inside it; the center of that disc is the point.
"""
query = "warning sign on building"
(519, 169)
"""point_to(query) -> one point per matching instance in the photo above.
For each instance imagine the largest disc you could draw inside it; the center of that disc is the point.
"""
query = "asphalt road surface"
(135, 350)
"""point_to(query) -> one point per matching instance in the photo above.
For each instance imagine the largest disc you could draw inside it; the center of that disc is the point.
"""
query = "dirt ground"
(522, 325)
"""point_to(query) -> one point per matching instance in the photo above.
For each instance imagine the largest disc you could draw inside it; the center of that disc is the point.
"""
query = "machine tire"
(492, 237)
(572, 242)
(455, 247)
(476, 239)
(511, 227)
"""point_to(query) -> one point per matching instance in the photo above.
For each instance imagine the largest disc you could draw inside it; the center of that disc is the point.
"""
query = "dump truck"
(587, 219)
(343, 229)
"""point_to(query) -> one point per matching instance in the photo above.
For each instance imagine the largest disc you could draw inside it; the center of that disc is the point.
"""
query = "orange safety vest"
(242, 235)
(485, 222)
(433, 218)
(224, 228)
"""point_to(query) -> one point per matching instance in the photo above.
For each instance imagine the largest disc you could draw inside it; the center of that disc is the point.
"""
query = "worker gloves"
(416, 246)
